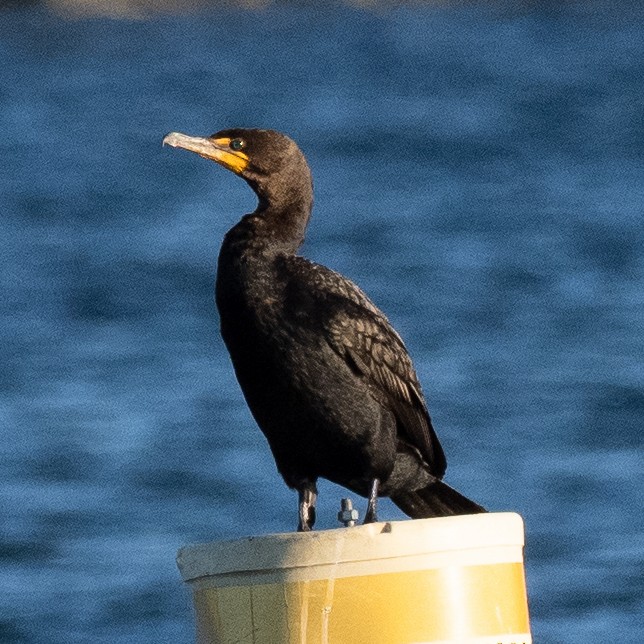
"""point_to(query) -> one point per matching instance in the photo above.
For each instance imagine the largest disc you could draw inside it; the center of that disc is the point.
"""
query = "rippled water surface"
(479, 171)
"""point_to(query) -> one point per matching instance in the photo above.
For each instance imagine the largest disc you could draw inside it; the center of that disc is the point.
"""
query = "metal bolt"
(348, 515)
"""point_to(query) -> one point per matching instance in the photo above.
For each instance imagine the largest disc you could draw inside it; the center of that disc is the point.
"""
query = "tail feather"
(435, 500)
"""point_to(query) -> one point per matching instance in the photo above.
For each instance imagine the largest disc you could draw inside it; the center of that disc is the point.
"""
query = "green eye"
(237, 144)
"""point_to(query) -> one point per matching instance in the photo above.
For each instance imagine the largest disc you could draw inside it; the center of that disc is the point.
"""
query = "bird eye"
(237, 144)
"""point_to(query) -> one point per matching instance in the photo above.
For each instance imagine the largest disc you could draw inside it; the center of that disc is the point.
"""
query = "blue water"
(479, 171)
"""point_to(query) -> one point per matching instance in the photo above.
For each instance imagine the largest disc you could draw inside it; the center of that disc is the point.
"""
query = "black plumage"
(327, 378)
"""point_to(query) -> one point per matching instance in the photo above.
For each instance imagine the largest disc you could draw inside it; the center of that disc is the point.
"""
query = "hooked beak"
(215, 149)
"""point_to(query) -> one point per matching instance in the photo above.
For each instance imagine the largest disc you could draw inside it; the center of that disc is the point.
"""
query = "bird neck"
(283, 226)
(269, 231)
(284, 209)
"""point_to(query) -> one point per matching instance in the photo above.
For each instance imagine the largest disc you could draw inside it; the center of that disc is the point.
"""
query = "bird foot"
(371, 515)
(307, 497)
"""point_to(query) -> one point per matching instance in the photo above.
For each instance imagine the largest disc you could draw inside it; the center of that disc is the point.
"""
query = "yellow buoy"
(439, 581)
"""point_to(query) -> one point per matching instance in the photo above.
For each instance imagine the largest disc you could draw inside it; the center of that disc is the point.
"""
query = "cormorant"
(327, 378)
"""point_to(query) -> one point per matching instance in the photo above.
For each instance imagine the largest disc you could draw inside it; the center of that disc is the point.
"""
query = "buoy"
(445, 580)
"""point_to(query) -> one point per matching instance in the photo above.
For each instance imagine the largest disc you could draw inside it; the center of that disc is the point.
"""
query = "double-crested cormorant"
(328, 380)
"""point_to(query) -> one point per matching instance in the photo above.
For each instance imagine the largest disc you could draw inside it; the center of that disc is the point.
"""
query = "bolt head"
(348, 515)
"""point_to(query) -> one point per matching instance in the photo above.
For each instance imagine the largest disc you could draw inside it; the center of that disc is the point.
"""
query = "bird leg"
(308, 495)
(370, 515)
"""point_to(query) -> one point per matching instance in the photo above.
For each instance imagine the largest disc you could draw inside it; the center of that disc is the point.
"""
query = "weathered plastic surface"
(438, 581)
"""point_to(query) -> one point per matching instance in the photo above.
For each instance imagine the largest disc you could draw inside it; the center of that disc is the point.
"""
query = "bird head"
(269, 161)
